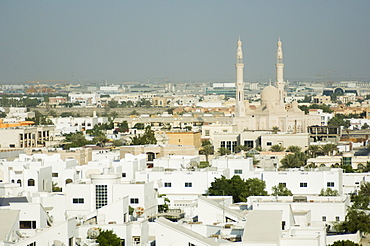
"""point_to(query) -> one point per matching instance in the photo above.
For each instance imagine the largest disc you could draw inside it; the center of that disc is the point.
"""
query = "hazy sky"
(189, 40)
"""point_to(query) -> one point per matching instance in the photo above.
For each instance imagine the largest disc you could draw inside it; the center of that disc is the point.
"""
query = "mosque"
(272, 112)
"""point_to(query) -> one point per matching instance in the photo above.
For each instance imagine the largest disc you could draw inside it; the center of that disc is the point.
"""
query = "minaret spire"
(280, 72)
(240, 107)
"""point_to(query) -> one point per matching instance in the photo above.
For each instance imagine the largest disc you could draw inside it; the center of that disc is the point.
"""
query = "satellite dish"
(192, 165)
(139, 210)
(93, 233)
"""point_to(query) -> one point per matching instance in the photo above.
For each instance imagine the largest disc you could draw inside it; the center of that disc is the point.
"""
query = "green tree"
(328, 192)
(147, 138)
(295, 160)
(163, 207)
(354, 221)
(277, 148)
(223, 151)
(188, 128)
(365, 126)
(328, 149)
(113, 104)
(256, 187)
(100, 140)
(66, 114)
(75, 140)
(207, 150)
(234, 187)
(239, 148)
(325, 108)
(344, 243)
(313, 150)
(123, 126)
(339, 120)
(281, 190)
(117, 143)
(362, 199)
(113, 115)
(139, 126)
(108, 238)
(56, 188)
(237, 188)
(275, 129)
(294, 149)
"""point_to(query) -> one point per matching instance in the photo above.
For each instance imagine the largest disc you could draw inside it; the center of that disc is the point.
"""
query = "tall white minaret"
(240, 107)
(280, 71)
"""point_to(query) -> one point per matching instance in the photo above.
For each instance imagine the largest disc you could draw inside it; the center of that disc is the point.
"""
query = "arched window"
(360, 166)
(19, 182)
(12, 180)
(31, 182)
(69, 181)
(322, 165)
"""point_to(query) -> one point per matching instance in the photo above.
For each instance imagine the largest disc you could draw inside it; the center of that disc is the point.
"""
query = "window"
(269, 143)
(27, 224)
(248, 143)
(55, 175)
(206, 133)
(188, 184)
(123, 175)
(330, 184)
(136, 240)
(134, 200)
(167, 184)
(32, 244)
(302, 184)
(191, 244)
(31, 182)
(69, 181)
(101, 195)
(337, 218)
(238, 171)
(323, 218)
(19, 182)
(282, 184)
(78, 201)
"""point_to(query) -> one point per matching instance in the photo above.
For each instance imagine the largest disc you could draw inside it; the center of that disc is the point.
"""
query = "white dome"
(269, 94)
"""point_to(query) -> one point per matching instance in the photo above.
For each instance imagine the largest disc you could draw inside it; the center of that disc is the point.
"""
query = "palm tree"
(289, 161)
(296, 160)
(294, 149)
(329, 149)
(207, 150)
(313, 150)
(277, 148)
(224, 151)
(275, 129)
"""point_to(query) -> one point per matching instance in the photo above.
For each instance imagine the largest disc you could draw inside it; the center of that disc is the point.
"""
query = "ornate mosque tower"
(280, 72)
(240, 107)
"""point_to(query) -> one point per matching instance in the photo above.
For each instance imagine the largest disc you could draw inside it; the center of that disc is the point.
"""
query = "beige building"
(184, 138)
(155, 151)
(26, 136)
(82, 155)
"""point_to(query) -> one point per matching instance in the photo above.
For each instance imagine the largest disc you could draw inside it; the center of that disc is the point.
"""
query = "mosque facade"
(272, 112)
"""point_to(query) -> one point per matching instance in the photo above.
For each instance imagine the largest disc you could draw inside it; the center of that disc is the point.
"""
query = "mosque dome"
(270, 94)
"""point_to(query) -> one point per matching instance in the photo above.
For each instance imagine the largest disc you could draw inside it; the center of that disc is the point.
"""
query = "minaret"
(280, 71)
(240, 108)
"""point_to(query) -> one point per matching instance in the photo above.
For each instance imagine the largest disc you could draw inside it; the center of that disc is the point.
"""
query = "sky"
(182, 41)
